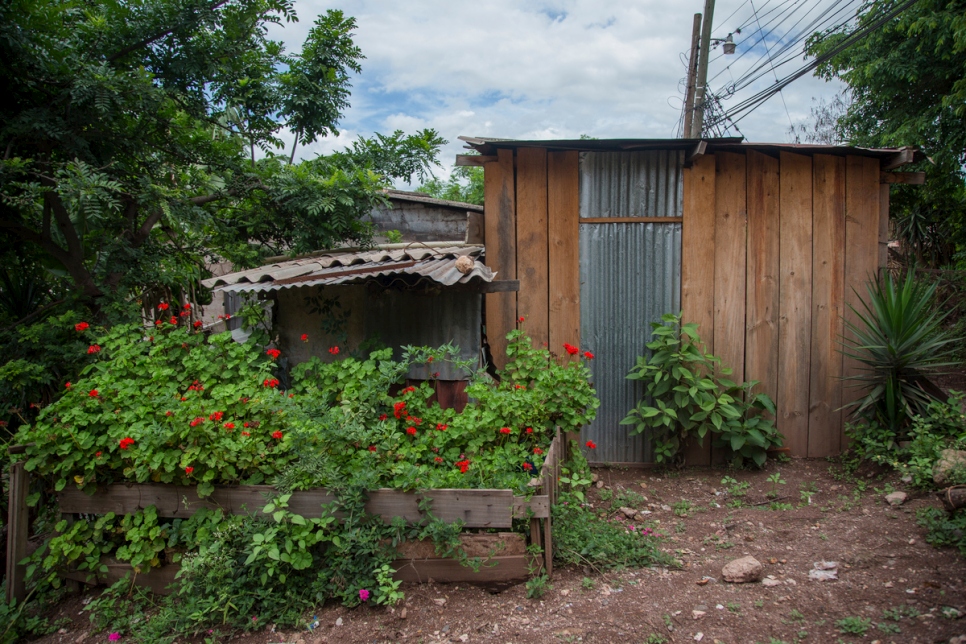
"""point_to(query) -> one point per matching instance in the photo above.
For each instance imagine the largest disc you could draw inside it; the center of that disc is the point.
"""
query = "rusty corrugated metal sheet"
(433, 264)
(630, 275)
(631, 184)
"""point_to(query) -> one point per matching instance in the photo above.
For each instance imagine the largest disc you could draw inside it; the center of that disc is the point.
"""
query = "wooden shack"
(765, 246)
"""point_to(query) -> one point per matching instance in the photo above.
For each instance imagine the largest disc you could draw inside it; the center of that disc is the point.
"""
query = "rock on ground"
(949, 460)
(743, 570)
(896, 498)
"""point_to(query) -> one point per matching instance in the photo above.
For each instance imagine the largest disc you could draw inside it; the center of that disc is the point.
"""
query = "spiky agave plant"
(899, 339)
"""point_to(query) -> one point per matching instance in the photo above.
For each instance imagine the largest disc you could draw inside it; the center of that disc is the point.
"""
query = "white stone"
(743, 570)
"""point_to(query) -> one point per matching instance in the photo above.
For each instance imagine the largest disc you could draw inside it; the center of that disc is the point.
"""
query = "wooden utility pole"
(692, 73)
(699, 94)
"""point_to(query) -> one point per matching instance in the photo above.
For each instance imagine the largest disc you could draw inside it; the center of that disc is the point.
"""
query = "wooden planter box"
(481, 509)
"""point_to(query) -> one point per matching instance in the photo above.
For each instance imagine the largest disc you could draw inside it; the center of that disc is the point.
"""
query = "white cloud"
(542, 69)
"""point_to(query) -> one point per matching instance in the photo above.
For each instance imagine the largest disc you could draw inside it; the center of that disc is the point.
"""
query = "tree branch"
(33, 315)
(155, 37)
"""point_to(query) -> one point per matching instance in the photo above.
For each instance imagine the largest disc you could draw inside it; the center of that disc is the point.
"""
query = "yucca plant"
(899, 339)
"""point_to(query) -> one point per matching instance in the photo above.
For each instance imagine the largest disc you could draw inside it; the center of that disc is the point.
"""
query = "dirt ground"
(887, 574)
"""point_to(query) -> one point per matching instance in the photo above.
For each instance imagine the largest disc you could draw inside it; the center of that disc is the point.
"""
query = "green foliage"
(21, 621)
(465, 184)
(686, 394)
(944, 529)
(907, 83)
(899, 340)
(853, 625)
(144, 139)
(582, 538)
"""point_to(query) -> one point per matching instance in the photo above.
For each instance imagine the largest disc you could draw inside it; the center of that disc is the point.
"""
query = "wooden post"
(17, 532)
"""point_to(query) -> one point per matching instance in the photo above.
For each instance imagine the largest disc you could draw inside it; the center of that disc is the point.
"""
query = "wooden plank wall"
(775, 248)
(544, 185)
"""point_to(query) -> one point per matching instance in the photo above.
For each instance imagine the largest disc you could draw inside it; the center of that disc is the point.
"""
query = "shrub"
(686, 394)
(899, 339)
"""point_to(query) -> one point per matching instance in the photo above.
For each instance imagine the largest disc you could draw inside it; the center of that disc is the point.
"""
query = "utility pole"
(692, 72)
(699, 95)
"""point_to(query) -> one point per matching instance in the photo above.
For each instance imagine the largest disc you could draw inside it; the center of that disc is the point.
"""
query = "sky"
(561, 68)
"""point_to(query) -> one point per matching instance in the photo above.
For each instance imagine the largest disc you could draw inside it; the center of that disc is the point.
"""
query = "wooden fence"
(478, 509)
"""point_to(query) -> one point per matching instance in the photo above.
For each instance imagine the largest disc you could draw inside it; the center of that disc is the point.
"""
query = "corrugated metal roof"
(418, 197)
(737, 144)
(432, 264)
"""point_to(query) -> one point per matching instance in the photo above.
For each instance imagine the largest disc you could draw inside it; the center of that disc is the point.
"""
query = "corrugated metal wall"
(630, 275)
(631, 184)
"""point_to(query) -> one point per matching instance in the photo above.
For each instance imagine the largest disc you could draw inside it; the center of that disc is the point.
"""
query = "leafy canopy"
(140, 137)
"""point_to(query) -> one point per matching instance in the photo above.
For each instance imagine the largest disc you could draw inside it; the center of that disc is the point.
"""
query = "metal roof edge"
(406, 195)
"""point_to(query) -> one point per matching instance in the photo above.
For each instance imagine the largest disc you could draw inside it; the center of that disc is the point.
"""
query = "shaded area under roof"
(727, 144)
(409, 266)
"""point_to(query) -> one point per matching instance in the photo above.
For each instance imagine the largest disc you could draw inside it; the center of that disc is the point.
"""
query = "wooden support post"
(18, 523)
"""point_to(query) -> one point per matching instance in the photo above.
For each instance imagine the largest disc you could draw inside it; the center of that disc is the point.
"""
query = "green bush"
(944, 529)
(685, 394)
(899, 339)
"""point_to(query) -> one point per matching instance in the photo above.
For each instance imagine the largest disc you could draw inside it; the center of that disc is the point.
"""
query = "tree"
(140, 138)
(464, 184)
(907, 84)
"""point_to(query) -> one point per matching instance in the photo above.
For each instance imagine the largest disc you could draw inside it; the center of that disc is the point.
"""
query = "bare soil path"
(889, 579)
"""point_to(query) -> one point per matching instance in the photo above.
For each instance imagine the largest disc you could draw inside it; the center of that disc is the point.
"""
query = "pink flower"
(113, 637)
(364, 594)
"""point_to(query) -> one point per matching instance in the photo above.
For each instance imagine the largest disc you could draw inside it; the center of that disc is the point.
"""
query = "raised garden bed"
(506, 558)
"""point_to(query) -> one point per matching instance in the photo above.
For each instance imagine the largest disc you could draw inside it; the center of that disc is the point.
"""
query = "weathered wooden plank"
(477, 508)
(697, 267)
(795, 289)
(18, 524)
(501, 544)
(537, 506)
(563, 214)
(828, 297)
(474, 159)
(532, 249)
(899, 159)
(761, 322)
(497, 570)
(157, 580)
(730, 248)
(862, 230)
(499, 195)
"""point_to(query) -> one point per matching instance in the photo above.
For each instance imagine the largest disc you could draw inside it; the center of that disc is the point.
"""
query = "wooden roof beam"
(904, 157)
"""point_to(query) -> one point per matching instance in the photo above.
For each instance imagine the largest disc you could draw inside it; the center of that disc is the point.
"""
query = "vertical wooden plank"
(761, 316)
(532, 252)
(563, 210)
(499, 211)
(730, 247)
(795, 294)
(697, 248)
(883, 228)
(17, 532)
(697, 268)
(862, 218)
(828, 298)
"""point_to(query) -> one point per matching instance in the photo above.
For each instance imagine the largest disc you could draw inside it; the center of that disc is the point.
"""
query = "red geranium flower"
(438, 459)
(273, 353)
(163, 306)
(411, 431)
(520, 319)
(305, 337)
(173, 320)
(216, 416)
(187, 306)
(529, 430)
(398, 409)
(571, 349)
(67, 386)
(372, 448)
(98, 455)
(229, 426)
(591, 444)
(94, 348)
(188, 470)
(126, 442)
(441, 427)
(334, 350)
(157, 323)
(197, 421)
(588, 355)
(197, 324)
(271, 383)
(183, 399)
(167, 413)
(463, 465)
(81, 326)
(383, 416)
(277, 435)
(504, 430)
(246, 433)
(527, 466)
(92, 393)
(537, 451)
